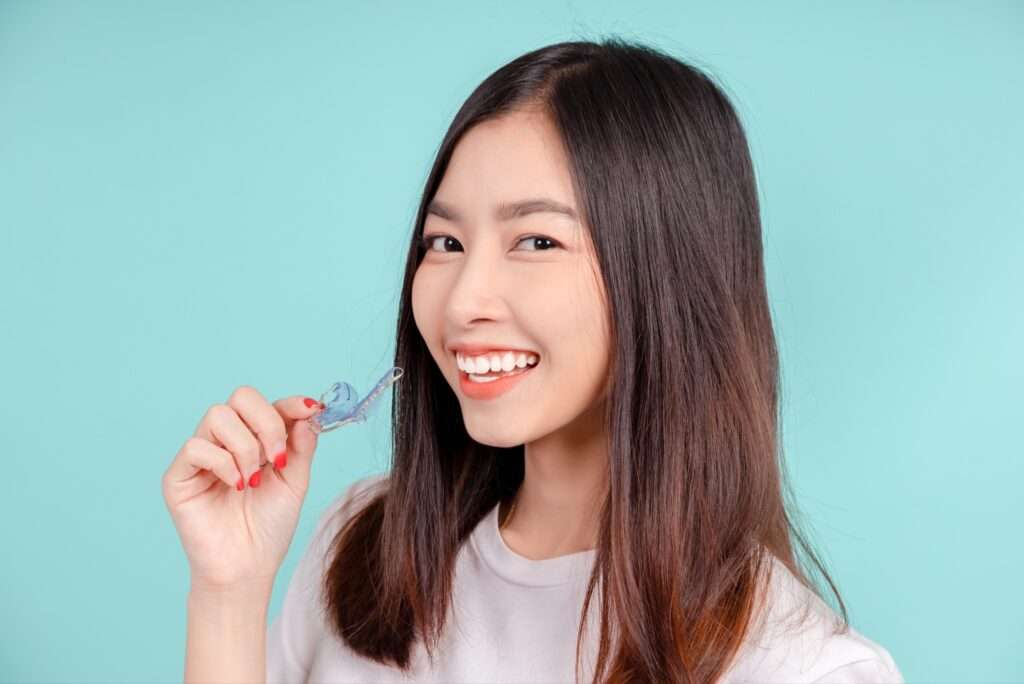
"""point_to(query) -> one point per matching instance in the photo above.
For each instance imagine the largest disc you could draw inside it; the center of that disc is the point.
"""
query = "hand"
(238, 538)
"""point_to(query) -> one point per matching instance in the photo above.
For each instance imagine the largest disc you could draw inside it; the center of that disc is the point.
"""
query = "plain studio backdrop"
(195, 196)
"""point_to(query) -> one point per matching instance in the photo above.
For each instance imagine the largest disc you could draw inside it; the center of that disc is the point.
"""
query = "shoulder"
(349, 502)
(797, 637)
(359, 492)
(294, 634)
(330, 521)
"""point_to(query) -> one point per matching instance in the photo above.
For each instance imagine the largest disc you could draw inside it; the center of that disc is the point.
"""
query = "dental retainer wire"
(342, 404)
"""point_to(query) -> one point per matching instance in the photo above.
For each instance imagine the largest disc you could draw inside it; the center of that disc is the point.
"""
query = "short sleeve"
(871, 671)
(294, 633)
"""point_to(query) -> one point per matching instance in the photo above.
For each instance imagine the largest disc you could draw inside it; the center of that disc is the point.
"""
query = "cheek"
(428, 301)
(585, 317)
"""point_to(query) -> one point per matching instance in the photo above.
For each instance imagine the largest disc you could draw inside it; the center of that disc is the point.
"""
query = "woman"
(586, 481)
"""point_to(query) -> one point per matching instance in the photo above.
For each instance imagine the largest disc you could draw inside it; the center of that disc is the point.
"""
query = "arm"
(226, 639)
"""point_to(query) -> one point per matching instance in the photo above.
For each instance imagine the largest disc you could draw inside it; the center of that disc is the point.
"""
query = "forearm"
(227, 634)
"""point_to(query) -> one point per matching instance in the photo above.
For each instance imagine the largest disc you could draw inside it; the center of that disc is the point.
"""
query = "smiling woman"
(611, 508)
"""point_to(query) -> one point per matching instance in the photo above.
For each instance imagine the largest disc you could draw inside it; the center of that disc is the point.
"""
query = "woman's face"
(517, 282)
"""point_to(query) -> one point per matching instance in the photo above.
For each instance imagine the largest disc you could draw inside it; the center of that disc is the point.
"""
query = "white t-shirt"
(515, 619)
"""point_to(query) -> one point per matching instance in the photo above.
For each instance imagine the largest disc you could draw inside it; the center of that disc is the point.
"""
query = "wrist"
(237, 604)
(235, 591)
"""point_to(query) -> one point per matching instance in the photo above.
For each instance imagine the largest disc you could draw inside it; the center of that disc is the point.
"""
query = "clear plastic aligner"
(342, 404)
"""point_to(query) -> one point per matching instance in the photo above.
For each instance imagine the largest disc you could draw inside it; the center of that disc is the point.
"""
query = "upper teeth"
(497, 361)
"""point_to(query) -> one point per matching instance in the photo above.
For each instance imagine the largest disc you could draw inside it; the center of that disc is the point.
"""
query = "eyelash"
(426, 240)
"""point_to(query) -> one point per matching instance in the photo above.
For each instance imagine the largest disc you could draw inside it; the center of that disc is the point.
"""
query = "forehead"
(517, 155)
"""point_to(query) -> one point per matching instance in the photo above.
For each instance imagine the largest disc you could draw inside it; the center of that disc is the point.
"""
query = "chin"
(501, 436)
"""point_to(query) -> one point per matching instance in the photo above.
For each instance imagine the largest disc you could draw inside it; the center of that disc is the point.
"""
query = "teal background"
(195, 196)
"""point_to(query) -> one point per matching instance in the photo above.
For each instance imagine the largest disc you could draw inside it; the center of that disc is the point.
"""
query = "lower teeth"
(491, 378)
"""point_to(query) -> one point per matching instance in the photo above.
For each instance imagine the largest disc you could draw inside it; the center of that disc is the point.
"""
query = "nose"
(478, 291)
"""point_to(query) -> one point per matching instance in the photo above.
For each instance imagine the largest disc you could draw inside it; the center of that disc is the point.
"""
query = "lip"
(494, 388)
(478, 349)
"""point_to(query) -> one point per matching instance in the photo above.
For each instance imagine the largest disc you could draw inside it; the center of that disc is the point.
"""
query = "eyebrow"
(507, 210)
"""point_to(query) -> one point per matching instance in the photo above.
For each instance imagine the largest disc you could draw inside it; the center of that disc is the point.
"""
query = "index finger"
(296, 407)
(262, 420)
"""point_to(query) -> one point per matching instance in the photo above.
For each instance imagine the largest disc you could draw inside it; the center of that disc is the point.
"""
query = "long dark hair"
(696, 500)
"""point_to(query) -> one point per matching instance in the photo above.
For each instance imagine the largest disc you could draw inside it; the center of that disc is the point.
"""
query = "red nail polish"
(281, 460)
(240, 485)
(310, 403)
(254, 481)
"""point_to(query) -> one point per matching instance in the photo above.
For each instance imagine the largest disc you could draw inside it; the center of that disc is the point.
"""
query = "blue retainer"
(342, 404)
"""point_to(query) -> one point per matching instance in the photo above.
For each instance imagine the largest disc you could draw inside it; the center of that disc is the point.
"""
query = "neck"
(557, 504)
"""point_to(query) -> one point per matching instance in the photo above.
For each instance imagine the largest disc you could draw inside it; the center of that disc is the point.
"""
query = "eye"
(541, 239)
(428, 240)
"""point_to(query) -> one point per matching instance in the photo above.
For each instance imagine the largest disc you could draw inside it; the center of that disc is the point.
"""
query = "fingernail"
(240, 485)
(281, 457)
(254, 481)
(310, 403)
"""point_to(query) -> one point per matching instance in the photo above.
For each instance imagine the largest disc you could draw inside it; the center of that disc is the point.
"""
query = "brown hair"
(695, 506)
